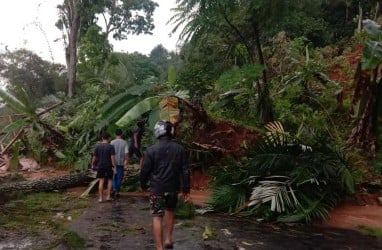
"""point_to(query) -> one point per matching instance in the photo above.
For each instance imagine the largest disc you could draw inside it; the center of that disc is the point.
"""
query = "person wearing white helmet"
(165, 165)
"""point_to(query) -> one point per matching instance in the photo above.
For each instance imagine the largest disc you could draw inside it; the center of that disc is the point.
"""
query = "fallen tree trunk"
(44, 185)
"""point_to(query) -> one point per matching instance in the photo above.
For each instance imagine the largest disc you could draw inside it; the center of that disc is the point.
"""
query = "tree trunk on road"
(44, 185)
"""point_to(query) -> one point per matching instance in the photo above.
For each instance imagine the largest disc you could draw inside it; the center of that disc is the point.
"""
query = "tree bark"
(44, 185)
(363, 134)
(71, 50)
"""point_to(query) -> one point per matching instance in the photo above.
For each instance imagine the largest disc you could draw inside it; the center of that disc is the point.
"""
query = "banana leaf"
(138, 110)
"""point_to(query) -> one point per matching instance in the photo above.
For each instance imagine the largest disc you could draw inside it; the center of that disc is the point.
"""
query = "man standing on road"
(165, 165)
(121, 155)
(104, 159)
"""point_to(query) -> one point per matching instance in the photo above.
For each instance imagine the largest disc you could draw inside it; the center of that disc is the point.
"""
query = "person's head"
(163, 128)
(105, 135)
(118, 132)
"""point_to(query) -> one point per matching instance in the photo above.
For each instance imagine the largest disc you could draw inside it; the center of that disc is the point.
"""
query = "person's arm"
(146, 171)
(113, 161)
(94, 160)
(185, 176)
(126, 163)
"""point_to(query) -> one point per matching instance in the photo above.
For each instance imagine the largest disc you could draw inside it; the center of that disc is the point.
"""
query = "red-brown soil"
(364, 211)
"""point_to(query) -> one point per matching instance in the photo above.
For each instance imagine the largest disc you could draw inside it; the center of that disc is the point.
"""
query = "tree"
(70, 20)
(160, 57)
(120, 17)
(23, 68)
(239, 22)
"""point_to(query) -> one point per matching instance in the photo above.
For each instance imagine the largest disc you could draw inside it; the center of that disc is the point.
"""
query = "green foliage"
(377, 232)
(31, 127)
(235, 90)
(184, 210)
(74, 241)
(301, 24)
(138, 110)
(372, 55)
(132, 183)
(25, 69)
(94, 50)
(300, 182)
(228, 198)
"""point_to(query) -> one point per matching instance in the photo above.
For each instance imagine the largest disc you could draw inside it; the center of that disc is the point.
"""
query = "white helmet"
(163, 128)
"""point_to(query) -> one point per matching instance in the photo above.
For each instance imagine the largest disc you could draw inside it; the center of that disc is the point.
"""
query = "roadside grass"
(372, 231)
(39, 213)
(74, 241)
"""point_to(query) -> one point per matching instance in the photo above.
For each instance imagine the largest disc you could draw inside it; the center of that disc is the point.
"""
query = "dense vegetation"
(303, 75)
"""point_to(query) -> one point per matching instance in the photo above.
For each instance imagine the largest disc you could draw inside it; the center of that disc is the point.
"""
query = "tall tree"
(121, 17)
(23, 68)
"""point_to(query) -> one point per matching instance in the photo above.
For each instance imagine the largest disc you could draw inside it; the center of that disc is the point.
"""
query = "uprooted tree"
(367, 103)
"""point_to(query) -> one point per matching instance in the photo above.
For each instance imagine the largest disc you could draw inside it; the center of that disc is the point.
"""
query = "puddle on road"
(20, 244)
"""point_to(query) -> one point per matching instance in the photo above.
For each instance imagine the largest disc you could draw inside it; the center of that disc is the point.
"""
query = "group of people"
(164, 171)
(112, 158)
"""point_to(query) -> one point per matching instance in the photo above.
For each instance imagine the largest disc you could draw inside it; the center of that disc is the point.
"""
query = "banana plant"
(160, 106)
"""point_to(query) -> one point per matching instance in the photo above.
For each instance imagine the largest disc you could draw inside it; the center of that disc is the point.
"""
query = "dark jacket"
(165, 164)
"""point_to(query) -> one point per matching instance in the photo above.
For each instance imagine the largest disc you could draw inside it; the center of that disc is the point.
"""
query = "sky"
(30, 24)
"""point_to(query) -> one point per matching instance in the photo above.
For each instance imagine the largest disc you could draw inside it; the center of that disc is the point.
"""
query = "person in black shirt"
(165, 165)
(104, 159)
(136, 143)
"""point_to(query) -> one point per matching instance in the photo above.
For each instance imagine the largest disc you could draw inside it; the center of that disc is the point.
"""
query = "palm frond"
(279, 193)
(228, 198)
(14, 103)
(312, 209)
(20, 123)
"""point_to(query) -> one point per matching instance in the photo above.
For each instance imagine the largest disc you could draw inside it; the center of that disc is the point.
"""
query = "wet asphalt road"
(126, 224)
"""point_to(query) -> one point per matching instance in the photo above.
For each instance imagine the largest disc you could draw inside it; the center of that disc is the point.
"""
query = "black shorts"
(161, 202)
(106, 173)
(135, 151)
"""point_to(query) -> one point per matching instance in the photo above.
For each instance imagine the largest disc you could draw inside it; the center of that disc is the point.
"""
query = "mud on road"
(126, 224)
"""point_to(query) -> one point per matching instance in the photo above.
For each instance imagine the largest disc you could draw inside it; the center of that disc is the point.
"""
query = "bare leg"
(109, 188)
(170, 221)
(158, 232)
(100, 189)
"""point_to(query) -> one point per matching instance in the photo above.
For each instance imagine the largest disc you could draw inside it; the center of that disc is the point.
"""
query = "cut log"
(45, 185)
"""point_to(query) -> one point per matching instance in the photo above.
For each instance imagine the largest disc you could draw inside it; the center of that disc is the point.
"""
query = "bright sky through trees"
(30, 24)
